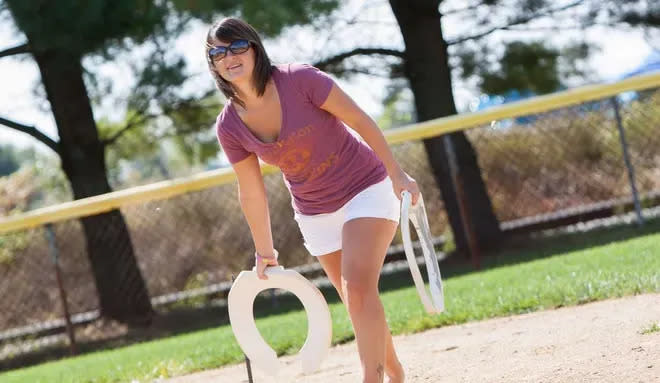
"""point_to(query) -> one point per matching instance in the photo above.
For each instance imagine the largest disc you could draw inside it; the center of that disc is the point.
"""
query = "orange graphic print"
(295, 160)
(325, 165)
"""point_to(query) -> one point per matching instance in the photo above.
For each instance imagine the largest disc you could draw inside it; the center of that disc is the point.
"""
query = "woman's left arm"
(344, 108)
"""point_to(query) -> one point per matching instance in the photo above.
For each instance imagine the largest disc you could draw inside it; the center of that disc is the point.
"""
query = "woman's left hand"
(402, 182)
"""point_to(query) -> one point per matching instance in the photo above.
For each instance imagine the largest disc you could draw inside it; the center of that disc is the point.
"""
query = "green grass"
(651, 329)
(572, 270)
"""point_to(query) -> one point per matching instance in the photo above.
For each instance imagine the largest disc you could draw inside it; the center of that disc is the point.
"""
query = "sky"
(620, 52)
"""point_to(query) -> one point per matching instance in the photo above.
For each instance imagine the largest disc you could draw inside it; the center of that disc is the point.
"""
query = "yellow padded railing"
(166, 189)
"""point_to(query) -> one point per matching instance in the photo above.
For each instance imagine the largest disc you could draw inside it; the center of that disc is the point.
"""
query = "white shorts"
(322, 232)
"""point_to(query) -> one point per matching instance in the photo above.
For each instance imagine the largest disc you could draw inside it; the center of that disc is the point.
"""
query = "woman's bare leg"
(331, 264)
(365, 242)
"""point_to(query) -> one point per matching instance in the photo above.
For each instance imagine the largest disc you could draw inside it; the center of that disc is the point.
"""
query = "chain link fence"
(571, 159)
(534, 167)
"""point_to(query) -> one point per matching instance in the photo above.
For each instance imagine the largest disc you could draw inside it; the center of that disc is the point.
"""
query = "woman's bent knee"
(356, 292)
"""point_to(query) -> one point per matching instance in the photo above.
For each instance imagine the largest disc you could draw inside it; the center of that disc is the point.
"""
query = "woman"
(345, 193)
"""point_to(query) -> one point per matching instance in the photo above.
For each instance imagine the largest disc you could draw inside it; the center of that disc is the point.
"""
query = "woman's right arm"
(254, 203)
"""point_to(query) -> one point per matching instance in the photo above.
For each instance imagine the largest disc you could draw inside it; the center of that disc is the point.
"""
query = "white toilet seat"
(241, 315)
(436, 303)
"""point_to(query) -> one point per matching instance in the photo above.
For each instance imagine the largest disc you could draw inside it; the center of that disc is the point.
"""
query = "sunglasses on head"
(236, 47)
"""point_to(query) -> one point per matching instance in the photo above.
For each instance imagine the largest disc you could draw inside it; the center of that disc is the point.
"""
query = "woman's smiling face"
(237, 59)
(235, 68)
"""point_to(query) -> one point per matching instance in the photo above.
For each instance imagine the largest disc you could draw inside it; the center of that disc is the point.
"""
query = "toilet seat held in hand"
(417, 215)
(240, 304)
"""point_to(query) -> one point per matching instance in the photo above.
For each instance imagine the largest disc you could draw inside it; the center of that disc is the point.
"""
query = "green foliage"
(269, 17)
(636, 13)
(158, 83)
(572, 60)
(449, 244)
(654, 327)
(273, 16)
(82, 27)
(523, 66)
(397, 106)
(195, 281)
(193, 126)
(9, 159)
(11, 245)
(152, 148)
(530, 6)
(135, 146)
(536, 66)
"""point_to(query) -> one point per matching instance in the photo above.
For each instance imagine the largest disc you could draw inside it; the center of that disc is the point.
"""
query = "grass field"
(559, 271)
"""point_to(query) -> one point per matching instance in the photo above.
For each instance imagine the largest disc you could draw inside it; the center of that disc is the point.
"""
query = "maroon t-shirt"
(323, 164)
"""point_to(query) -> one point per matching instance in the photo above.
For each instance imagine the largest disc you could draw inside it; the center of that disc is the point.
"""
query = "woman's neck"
(248, 94)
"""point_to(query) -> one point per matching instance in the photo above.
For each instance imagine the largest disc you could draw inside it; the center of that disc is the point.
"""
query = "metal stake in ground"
(247, 360)
(626, 158)
(50, 236)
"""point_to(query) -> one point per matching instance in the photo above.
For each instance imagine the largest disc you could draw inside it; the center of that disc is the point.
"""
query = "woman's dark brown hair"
(228, 30)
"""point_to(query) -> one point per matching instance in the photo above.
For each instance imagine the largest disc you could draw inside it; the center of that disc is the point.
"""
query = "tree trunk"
(122, 293)
(427, 69)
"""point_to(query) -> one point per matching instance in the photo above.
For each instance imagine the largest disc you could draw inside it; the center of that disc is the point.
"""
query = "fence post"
(50, 235)
(626, 157)
(457, 182)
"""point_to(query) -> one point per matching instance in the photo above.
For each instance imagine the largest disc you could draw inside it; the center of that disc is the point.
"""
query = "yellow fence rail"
(166, 189)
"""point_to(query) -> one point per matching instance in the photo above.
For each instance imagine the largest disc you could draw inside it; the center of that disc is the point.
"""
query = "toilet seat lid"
(241, 315)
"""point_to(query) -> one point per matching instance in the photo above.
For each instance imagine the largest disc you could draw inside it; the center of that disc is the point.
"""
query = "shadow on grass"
(179, 321)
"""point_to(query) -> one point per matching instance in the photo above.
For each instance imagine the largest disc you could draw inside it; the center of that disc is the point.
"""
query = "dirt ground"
(596, 342)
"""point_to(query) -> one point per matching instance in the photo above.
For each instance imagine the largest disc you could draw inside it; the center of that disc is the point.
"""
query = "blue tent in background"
(650, 64)
(488, 101)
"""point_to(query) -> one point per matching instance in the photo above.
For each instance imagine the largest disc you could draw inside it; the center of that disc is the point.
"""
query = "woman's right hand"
(402, 181)
(262, 262)
(254, 203)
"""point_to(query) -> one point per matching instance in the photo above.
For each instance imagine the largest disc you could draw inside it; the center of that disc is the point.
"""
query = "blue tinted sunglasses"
(236, 47)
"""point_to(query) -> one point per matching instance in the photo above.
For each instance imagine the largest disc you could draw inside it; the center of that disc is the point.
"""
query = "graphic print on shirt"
(295, 160)
(325, 165)
(293, 156)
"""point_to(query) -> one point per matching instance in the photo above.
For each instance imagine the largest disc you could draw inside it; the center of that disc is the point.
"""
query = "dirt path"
(596, 342)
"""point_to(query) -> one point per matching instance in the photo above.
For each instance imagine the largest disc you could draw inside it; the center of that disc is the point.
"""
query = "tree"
(9, 159)
(171, 145)
(534, 67)
(427, 63)
(60, 36)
